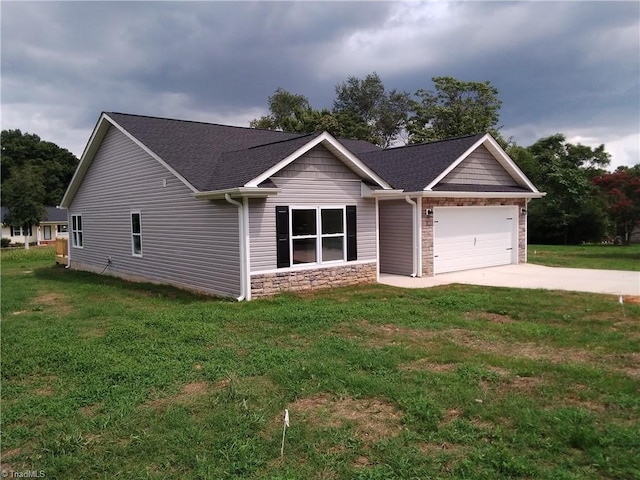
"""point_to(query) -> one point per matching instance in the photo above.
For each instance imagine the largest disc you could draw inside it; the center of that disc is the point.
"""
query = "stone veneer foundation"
(265, 284)
(427, 224)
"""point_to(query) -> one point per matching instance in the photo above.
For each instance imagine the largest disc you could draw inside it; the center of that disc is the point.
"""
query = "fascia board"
(333, 145)
(88, 153)
(249, 192)
(91, 149)
(507, 162)
(434, 194)
(457, 162)
(152, 154)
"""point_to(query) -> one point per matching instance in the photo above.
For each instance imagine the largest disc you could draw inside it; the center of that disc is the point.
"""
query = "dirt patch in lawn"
(91, 410)
(631, 299)
(424, 365)
(381, 335)
(188, 394)
(371, 418)
(627, 363)
(14, 452)
(490, 317)
(54, 301)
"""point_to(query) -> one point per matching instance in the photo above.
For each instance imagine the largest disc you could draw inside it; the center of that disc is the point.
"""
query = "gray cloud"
(571, 67)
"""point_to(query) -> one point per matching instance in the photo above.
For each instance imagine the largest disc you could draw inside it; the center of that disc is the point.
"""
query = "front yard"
(106, 379)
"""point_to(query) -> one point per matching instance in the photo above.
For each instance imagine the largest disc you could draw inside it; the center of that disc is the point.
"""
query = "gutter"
(415, 240)
(243, 247)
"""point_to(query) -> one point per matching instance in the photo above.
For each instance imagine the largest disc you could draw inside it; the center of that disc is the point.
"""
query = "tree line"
(584, 202)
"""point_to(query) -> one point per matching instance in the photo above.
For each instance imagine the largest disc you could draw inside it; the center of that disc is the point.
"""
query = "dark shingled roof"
(217, 157)
(413, 167)
(193, 149)
(52, 214)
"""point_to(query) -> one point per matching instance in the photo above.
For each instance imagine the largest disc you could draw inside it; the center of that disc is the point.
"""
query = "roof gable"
(412, 167)
(434, 166)
(480, 167)
(499, 155)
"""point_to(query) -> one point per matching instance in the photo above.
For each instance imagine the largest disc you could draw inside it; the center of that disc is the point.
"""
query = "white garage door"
(473, 237)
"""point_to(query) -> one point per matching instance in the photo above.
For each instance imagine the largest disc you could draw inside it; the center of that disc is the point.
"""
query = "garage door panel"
(473, 237)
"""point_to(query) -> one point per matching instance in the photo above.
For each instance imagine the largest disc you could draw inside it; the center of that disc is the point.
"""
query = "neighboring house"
(53, 226)
(245, 212)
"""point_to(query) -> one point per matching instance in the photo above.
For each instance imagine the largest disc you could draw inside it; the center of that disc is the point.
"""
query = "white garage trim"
(474, 237)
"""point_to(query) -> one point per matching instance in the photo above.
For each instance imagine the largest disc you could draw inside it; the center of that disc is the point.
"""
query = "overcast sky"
(568, 67)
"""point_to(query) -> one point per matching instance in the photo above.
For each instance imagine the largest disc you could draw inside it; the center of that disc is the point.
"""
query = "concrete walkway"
(528, 275)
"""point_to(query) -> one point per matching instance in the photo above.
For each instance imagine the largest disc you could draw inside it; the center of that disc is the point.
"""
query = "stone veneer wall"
(265, 284)
(427, 224)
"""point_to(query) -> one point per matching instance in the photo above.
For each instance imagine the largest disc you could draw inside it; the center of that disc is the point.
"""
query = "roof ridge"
(435, 141)
(302, 135)
(197, 121)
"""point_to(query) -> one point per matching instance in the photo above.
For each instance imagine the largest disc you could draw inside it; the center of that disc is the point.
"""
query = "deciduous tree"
(24, 195)
(55, 165)
(622, 191)
(572, 211)
(454, 108)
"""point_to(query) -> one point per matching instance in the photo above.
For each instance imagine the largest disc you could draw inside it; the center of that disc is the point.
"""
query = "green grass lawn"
(107, 379)
(607, 257)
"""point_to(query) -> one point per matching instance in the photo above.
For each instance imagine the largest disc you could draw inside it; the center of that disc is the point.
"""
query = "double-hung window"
(315, 235)
(76, 231)
(136, 234)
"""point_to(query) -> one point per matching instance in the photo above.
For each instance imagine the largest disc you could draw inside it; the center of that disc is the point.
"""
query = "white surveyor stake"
(284, 430)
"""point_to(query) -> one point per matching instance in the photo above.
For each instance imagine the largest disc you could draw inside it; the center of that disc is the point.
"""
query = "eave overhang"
(389, 194)
(248, 192)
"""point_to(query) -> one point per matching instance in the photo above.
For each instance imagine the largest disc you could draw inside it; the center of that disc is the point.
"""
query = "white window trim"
(74, 237)
(318, 236)
(131, 214)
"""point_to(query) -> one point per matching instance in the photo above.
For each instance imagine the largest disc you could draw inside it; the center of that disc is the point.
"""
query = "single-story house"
(54, 225)
(244, 212)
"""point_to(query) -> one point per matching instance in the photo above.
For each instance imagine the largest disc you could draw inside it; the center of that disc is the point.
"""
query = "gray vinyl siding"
(479, 168)
(318, 162)
(185, 242)
(396, 237)
(310, 183)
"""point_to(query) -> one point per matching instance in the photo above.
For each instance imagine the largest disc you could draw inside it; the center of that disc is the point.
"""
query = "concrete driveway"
(528, 275)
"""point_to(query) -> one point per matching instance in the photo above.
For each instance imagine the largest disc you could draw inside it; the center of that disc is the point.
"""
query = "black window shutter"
(352, 243)
(282, 236)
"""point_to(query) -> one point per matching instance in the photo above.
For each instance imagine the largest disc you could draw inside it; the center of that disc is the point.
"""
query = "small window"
(77, 240)
(47, 232)
(62, 228)
(136, 234)
(19, 232)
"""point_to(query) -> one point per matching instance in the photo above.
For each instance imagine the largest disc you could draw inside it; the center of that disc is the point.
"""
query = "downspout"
(415, 242)
(243, 293)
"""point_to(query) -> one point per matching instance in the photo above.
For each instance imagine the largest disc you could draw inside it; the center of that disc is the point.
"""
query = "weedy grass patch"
(104, 378)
